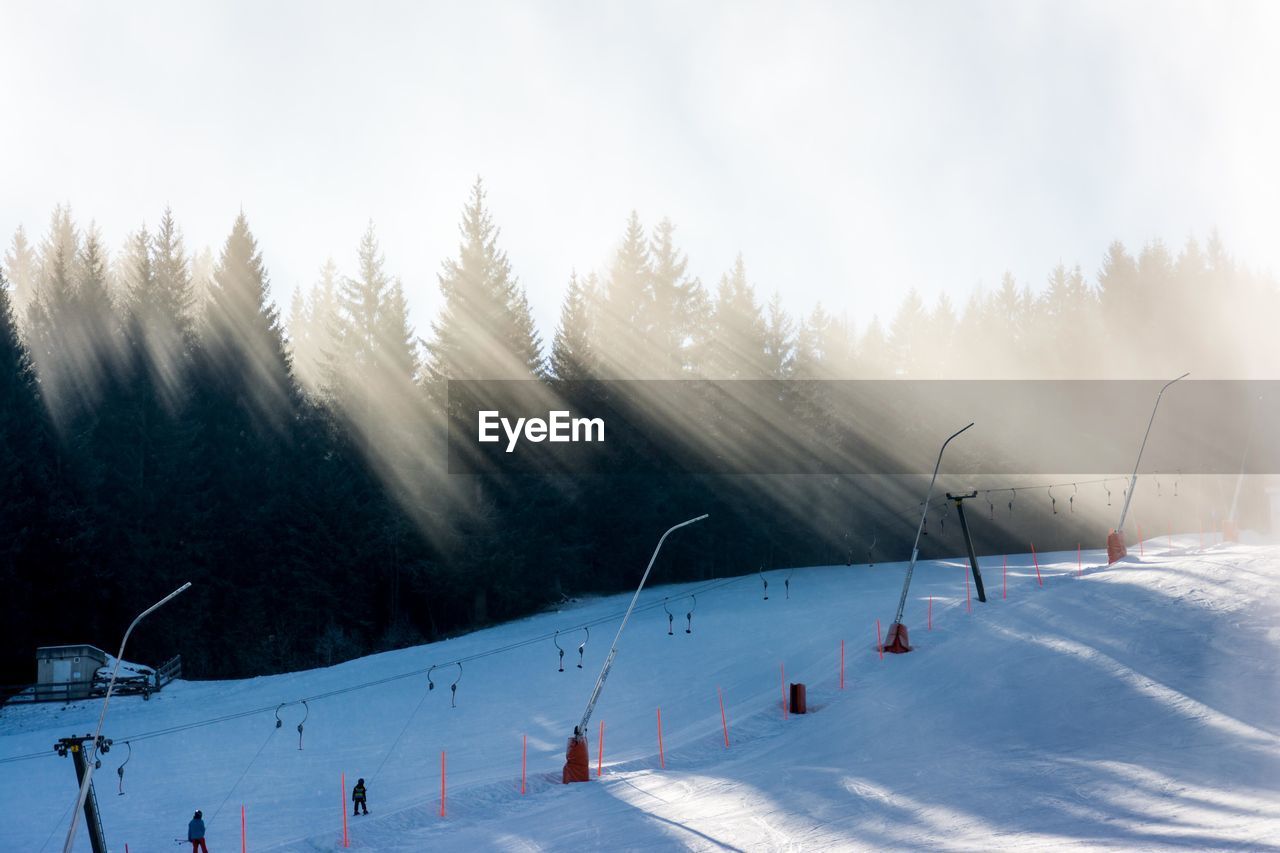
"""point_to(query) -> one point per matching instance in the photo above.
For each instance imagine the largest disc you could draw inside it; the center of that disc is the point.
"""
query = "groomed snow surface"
(1130, 707)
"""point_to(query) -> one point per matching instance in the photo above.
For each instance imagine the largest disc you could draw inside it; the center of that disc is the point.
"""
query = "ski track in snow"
(1132, 707)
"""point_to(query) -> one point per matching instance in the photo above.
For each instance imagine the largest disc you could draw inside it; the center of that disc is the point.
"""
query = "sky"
(849, 151)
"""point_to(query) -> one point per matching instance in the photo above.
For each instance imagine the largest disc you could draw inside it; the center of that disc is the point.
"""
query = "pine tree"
(626, 320)
(52, 315)
(157, 307)
(573, 352)
(940, 343)
(22, 269)
(907, 337)
(738, 330)
(873, 352)
(245, 342)
(668, 329)
(485, 329)
(779, 356)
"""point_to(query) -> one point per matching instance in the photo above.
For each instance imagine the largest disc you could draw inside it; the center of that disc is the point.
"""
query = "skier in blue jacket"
(195, 833)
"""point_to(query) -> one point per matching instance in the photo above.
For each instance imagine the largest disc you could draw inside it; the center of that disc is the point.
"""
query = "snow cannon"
(897, 642)
(577, 762)
(1115, 546)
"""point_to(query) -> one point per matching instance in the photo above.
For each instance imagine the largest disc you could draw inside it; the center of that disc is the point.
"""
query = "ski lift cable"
(243, 773)
(408, 722)
(700, 590)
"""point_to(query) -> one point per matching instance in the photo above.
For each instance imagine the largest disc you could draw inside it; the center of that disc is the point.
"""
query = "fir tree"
(907, 337)
(245, 341)
(779, 354)
(22, 269)
(667, 324)
(573, 353)
(485, 329)
(628, 307)
(738, 331)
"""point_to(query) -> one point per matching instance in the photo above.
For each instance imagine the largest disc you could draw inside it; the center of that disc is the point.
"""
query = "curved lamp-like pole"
(93, 756)
(1134, 479)
(613, 652)
(915, 546)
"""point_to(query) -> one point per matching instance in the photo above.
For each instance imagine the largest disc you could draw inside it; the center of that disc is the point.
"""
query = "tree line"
(160, 422)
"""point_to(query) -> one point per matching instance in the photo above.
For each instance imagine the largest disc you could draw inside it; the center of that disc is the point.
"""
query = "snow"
(1136, 706)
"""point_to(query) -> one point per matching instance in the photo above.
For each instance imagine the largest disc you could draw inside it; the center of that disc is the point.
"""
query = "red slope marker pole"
(968, 604)
(724, 723)
(346, 839)
(524, 762)
(600, 752)
(1141, 552)
(879, 645)
(782, 670)
(842, 664)
(442, 777)
(1079, 561)
(930, 622)
(244, 838)
(662, 758)
(1005, 578)
(1039, 579)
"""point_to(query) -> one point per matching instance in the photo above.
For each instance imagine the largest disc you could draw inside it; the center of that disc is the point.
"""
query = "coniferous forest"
(161, 420)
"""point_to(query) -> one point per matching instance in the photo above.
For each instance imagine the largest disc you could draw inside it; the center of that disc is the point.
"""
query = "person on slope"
(358, 799)
(195, 833)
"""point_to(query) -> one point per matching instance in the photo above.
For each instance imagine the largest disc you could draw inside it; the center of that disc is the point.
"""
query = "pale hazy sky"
(849, 150)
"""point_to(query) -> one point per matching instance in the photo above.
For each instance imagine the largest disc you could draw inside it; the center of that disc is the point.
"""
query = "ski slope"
(1130, 707)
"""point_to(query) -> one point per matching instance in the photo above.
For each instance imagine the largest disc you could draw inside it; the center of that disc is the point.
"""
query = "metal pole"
(915, 547)
(613, 652)
(1134, 479)
(93, 758)
(968, 542)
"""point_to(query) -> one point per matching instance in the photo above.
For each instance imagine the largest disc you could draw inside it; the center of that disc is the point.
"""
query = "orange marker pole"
(879, 644)
(966, 589)
(346, 839)
(662, 758)
(1079, 561)
(600, 752)
(244, 839)
(782, 669)
(442, 783)
(842, 664)
(1005, 578)
(1039, 579)
(723, 722)
(1141, 552)
(968, 604)
(524, 761)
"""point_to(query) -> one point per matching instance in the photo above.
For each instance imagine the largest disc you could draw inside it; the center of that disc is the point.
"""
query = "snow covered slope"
(1130, 707)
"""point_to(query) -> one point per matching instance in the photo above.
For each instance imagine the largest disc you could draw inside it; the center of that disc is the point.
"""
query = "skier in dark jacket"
(358, 798)
(195, 833)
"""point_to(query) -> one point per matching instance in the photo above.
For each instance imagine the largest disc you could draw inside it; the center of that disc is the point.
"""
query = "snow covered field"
(1136, 707)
